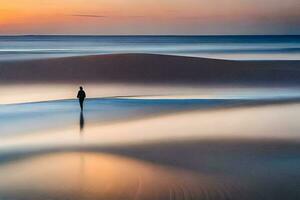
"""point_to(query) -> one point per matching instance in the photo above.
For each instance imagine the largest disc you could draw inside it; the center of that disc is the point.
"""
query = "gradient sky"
(149, 17)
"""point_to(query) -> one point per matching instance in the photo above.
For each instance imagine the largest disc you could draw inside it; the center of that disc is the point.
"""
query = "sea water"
(282, 47)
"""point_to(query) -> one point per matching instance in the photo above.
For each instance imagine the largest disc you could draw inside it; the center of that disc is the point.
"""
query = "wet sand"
(103, 176)
(204, 169)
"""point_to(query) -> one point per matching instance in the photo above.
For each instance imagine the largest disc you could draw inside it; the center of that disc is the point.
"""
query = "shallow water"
(120, 120)
(33, 117)
(232, 109)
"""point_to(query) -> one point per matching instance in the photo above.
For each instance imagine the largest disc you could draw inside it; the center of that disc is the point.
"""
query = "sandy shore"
(150, 69)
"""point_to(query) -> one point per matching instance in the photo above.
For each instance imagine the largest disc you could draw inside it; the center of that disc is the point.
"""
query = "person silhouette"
(81, 96)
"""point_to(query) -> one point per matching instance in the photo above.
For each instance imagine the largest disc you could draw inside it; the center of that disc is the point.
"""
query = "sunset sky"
(149, 17)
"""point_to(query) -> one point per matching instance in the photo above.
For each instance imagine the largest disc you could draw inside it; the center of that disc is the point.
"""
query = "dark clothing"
(81, 103)
(81, 96)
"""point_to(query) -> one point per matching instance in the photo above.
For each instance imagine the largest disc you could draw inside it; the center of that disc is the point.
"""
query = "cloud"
(135, 16)
(91, 16)
(104, 16)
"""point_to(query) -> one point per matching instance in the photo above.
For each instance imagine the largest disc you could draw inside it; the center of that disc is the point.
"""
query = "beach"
(153, 127)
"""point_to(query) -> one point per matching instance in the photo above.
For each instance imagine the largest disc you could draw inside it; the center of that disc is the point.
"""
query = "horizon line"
(158, 35)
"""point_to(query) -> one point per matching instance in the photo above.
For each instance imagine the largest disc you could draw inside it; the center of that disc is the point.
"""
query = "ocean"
(282, 47)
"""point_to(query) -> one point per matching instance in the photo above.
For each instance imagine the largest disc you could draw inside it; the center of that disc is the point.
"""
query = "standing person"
(81, 96)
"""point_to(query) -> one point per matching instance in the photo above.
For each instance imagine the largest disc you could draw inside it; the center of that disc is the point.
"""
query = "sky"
(133, 17)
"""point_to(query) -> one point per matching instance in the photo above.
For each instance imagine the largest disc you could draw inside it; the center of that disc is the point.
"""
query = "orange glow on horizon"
(104, 16)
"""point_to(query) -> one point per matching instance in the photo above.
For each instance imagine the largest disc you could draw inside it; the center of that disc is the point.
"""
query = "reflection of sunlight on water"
(91, 176)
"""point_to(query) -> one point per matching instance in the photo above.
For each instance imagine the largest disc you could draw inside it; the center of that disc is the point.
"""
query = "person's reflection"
(81, 123)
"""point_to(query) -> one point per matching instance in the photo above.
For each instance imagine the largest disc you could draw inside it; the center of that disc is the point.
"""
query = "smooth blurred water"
(222, 47)
(32, 117)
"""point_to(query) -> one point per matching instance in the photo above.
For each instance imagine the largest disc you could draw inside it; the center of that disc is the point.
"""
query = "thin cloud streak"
(92, 16)
(103, 16)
